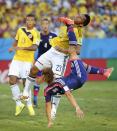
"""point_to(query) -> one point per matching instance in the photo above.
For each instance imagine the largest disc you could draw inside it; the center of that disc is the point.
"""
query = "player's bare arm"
(48, 113)
(13, 46)
(72, 51)
(73, 102)
(30, 48)
(61, 49)
(78, 47)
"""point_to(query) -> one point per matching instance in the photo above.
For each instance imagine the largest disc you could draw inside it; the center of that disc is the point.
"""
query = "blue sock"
(94, 70)
(35, 100)
(36, 91)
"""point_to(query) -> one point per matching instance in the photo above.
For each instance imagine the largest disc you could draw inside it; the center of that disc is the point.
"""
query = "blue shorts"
(77, 77)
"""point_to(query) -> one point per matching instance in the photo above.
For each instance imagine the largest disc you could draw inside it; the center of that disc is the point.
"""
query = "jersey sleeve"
(36, 39)
(79, 40)
(17, 34)
(54, 35)
(79, 37)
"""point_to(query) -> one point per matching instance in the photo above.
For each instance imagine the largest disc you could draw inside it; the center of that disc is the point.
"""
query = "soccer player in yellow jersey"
(26, 42)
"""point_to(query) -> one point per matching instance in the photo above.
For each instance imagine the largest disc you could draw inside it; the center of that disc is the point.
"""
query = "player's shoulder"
(78, 28)
(63, 28)
(35, 30)
(21, 27)
(62, 31)
(53, 34)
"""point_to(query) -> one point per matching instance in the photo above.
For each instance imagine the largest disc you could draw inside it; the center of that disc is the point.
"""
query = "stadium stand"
(102, 12)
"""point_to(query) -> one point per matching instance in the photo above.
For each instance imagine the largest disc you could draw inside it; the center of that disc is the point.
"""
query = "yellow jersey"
(62, 39)
(26, 38)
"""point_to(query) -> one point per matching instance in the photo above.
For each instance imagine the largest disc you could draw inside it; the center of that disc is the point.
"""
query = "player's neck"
(45, 32)
(29, 28)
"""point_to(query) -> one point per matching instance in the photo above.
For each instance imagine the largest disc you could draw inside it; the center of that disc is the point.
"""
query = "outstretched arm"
(73, 102)
(13, 46)
(48, 113)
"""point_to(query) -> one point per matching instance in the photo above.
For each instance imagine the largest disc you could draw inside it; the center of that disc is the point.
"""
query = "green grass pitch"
(98, 100)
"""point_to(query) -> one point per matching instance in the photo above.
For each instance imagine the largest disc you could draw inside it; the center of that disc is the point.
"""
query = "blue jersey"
(44, 43)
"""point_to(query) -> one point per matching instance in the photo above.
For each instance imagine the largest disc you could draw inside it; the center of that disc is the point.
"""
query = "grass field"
(97, 99)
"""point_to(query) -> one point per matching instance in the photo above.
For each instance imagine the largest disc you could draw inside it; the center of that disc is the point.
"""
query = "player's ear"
(81, 25)
(35, 23)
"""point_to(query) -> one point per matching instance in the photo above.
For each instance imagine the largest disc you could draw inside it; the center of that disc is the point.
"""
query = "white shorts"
(19, 69)
(54, 59)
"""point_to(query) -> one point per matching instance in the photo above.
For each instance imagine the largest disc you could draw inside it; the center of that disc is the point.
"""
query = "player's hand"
(65, 20)
(39, 80)
(14, 49)
(79, 113)
(61, 50)
(50, 124)
(11, 49)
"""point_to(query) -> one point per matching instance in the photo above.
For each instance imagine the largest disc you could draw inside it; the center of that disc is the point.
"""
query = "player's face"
(45, 26)
(30, 22)
(80, 19)
(40, 80)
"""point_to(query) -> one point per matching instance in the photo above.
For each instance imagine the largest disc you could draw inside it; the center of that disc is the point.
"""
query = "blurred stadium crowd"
(103, 15)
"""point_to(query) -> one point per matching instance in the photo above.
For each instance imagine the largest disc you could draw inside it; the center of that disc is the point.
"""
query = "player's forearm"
(48, 111)
(78, 48)
(13, 48)
(73, 52)
(30, 48)
(61, 49)
(72, 100)
(14, 44)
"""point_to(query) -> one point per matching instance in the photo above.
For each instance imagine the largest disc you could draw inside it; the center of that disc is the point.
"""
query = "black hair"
(31, 15)
(87, 20)
(48, 75)
(45, 19)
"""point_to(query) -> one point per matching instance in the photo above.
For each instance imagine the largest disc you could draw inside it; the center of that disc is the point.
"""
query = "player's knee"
(12, 80)
(33, 72)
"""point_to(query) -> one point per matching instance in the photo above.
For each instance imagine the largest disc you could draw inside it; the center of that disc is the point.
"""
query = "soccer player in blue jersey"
(45, 36)
(64, 85)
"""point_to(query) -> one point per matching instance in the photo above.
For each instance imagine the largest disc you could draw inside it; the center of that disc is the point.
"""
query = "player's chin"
(78, 25)
(77, 22)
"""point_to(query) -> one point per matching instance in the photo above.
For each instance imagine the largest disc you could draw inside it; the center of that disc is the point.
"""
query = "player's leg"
(59, 62)
(77, 77)
(97, 70)
(30, 105)
(36, 90)
(55, 103)
(41, 63)
(29, 101)
(13, 78)
(48, 93)
(24, 73)
(30, 80)
(90, 69)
